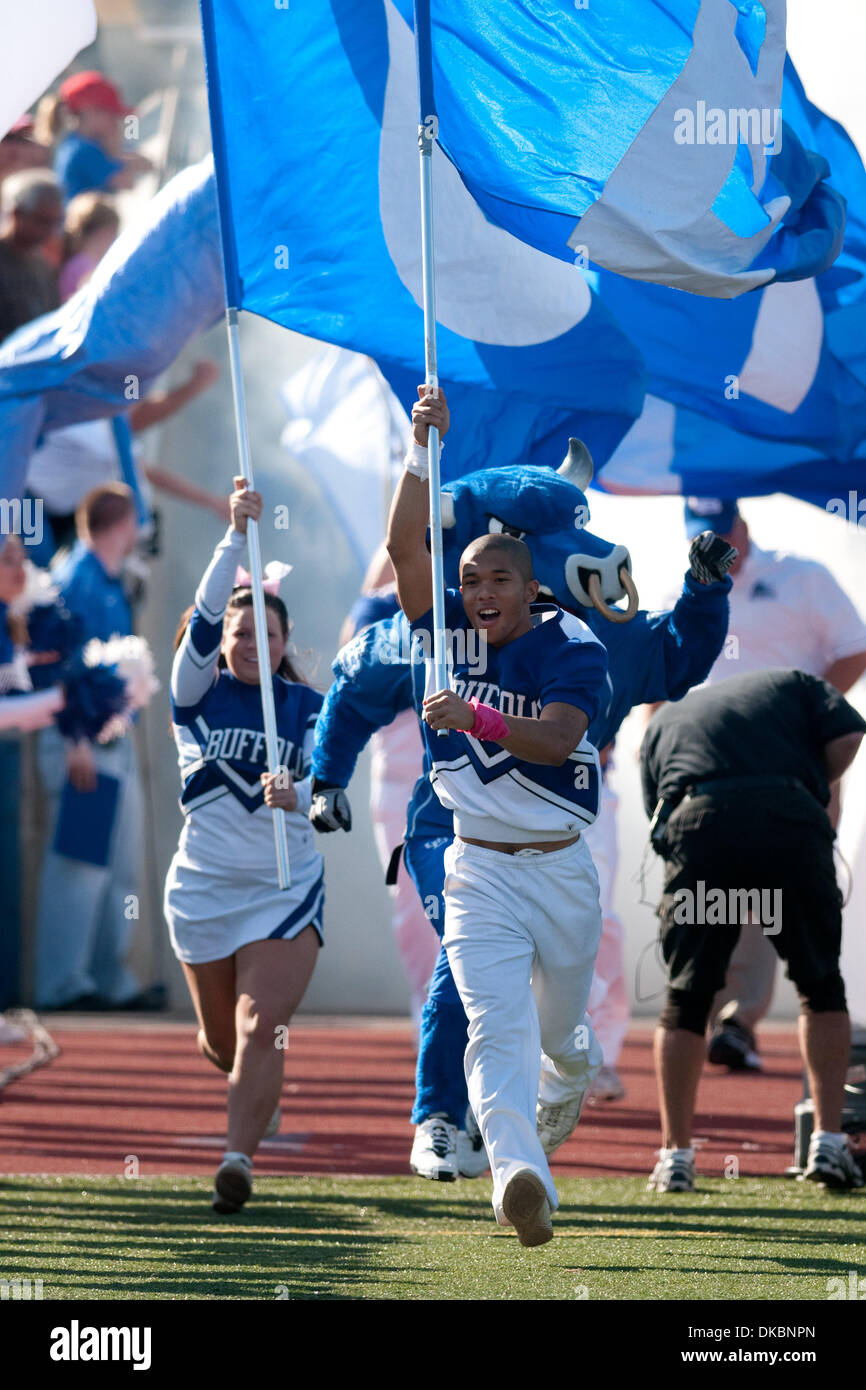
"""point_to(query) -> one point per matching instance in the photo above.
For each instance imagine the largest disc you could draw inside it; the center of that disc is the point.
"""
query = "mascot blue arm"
(659, 656)
(372, 685)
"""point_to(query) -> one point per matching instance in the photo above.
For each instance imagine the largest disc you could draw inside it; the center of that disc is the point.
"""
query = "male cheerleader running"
(522, 915)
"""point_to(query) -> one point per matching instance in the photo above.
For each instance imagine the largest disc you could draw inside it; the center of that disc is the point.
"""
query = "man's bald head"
(516, 552)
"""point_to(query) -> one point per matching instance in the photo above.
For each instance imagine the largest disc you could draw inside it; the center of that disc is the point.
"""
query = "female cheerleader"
(247, 948)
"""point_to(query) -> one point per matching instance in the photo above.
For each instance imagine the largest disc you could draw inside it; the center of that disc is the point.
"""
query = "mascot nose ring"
(614, 615)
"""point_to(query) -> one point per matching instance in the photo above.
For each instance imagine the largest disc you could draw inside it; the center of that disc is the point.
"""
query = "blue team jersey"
(222, 740)
(81, 165)
(219, 731)
(494, 795)
(221, 753)
(93, 595)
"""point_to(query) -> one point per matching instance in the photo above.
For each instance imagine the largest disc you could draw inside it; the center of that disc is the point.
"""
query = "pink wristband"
(489, 723)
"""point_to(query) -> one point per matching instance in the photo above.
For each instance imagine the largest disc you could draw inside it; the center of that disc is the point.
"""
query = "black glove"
(330, 809)
(710, 557)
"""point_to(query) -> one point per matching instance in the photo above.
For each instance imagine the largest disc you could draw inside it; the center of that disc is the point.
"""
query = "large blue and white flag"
(766, 393)
(159, 284)
(647, 136)
(317, 166)
(674, 450)
(785, 363)
(779, 365)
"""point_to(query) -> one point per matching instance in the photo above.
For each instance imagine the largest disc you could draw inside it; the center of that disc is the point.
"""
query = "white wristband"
(417, 461)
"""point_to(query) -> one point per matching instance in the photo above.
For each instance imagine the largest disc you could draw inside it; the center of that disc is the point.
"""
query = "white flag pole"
(427, 130)
(245, 467)
(245, 463)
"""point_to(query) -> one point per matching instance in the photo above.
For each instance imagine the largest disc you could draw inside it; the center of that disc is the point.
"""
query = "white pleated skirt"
(211, 915)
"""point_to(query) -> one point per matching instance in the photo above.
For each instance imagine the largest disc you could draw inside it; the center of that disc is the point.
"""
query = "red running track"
(119, 1090)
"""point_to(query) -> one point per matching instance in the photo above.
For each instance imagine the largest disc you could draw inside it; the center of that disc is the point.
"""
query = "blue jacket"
(93, 595)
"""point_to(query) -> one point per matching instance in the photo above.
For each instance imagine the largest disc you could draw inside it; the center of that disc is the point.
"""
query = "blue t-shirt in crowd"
(81, 165)
(94, 595)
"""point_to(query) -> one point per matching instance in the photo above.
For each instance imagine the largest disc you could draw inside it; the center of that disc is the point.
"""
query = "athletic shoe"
(273, 1126)
(555, 1123)
(232, 1185)
(733, 1045)
(832, 1163)
(11, 1033)
(674, 1172)
(606, 1086)
(472, 1158)
(526, 1208)
(434, 1150)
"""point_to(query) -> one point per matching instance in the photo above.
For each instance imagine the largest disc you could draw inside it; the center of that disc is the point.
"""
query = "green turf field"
(398, 1238)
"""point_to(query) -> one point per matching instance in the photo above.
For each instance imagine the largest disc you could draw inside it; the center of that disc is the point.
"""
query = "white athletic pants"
(609, 1005)
(521, 932)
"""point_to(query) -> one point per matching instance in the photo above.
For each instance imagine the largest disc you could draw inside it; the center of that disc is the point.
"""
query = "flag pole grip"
(426, 131)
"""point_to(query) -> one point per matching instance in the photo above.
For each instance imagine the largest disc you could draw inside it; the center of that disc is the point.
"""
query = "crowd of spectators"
(60, 169)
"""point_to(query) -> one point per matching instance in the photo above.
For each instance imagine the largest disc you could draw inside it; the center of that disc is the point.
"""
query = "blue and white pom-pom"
(105, 686)
(132, 660)
(37, 592)
(50, 626)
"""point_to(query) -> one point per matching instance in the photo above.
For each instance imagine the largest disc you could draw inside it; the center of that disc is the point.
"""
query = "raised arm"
(410, 509)
(196, 658)
(373, 684)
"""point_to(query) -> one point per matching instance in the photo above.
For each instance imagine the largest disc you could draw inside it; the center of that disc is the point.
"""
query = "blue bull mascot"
(381, 672)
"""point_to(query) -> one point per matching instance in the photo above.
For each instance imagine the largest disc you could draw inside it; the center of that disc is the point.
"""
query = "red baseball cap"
(86, 89)
(22, 127)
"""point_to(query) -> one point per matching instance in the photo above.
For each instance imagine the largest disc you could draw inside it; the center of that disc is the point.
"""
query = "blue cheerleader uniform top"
(219, 731)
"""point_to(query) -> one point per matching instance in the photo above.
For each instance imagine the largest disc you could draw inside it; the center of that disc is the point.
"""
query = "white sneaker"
(434, 1150)
(526, 1208)
(10, 1032)
(472, 1158)
(232, 1185)
(555, 1123)
(674, 1172)
(606, 1086)
(832, 1163)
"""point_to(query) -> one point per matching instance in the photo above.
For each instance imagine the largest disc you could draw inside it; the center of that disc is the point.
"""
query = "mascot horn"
(549, 509)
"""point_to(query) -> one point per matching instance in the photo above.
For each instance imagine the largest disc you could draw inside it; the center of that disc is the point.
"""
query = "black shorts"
(731, 856)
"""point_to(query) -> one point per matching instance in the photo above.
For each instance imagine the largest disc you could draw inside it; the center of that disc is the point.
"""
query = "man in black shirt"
(736, 778)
